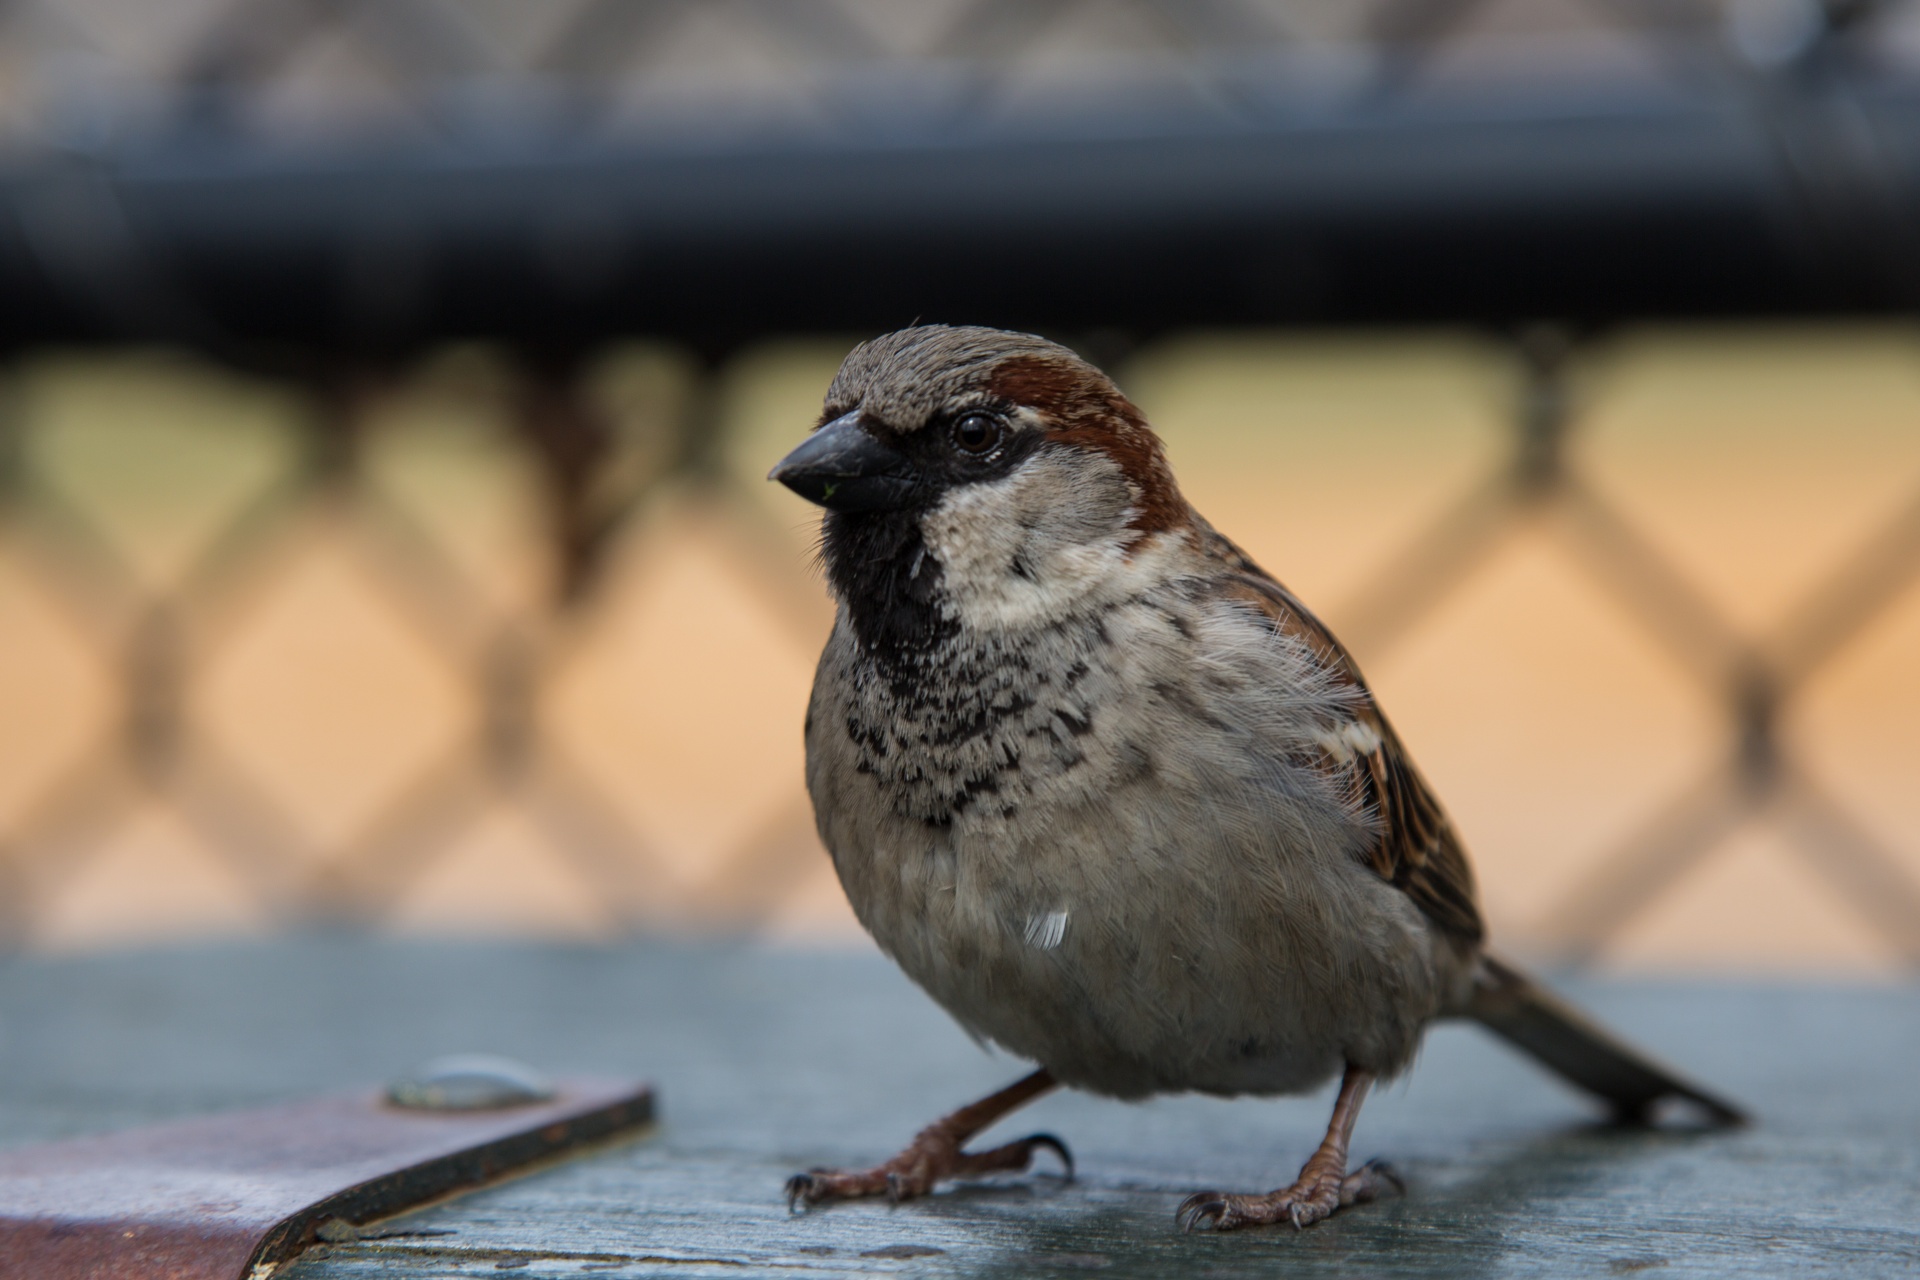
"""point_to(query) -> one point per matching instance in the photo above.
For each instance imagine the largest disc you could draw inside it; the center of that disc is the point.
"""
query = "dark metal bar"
(1491, 212)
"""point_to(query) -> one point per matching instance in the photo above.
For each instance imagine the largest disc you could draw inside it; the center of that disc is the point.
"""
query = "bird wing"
(1418, 851)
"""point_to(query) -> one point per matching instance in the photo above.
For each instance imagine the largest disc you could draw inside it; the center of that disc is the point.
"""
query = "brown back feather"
(1418, 851)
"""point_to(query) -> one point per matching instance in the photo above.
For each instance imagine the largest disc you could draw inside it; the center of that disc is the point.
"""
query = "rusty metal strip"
(234, 1196)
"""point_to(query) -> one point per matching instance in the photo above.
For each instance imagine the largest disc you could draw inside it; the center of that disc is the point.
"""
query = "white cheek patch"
(1032, 547)
(1046, 929)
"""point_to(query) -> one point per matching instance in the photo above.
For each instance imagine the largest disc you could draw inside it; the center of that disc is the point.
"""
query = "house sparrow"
(1109, 792)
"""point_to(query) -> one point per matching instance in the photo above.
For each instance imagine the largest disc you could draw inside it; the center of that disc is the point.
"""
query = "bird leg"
(935, 1154)
(1323, 1186)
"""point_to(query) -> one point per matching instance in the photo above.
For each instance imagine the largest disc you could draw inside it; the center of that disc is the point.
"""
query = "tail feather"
(1530, 1017)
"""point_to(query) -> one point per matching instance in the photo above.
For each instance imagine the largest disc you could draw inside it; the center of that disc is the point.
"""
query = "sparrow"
(1111, 794)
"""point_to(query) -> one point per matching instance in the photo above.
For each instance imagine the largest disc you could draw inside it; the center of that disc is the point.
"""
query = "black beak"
(844, 467)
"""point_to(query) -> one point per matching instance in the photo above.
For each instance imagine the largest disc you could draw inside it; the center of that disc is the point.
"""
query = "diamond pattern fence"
(509, 639)
(490, 641)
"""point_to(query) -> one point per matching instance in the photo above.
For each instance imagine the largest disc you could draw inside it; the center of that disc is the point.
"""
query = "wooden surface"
(768, 1062)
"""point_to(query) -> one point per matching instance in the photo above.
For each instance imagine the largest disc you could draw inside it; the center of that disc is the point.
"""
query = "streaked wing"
(1418, 851)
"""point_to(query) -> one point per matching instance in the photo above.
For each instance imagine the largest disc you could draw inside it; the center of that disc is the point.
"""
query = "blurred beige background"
(1756, 460)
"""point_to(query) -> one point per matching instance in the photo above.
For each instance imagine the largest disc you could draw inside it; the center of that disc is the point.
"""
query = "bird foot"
(1318, 1193)
(931, 1158)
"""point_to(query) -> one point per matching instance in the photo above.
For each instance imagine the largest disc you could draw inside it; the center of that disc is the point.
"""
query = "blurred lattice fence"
(321, 633)
(356, 568)
(485, 641)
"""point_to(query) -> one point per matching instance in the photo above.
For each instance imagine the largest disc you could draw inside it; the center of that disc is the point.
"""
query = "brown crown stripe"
(1085, 409)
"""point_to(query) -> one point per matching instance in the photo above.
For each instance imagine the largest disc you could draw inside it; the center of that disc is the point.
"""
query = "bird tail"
(1527, 1015)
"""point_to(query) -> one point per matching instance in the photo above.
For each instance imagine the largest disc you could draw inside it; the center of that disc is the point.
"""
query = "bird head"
(978, 474)
(918, 413)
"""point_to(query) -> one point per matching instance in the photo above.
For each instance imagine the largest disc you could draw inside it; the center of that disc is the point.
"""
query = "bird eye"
(976, 433)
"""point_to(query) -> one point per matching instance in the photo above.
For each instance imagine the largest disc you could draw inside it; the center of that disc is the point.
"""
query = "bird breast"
(1104, 836)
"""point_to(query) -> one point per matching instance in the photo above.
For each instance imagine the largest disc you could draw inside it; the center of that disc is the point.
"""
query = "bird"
(1112, 795)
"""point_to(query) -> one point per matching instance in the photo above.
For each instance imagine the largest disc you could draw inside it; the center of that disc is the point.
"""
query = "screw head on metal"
(470, 1082)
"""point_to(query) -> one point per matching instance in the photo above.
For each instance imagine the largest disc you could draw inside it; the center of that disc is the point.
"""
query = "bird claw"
(1366, 1182)
(805, 1190)
(917, 1170)
(1310, 1200)
(1226, 1211)
(1203, 1208)
(1054, 1145)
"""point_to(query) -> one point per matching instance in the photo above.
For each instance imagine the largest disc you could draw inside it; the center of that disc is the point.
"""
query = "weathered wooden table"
(768, 1062)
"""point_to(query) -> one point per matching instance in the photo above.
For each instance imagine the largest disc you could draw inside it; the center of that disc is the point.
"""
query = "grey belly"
(1154, 983)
